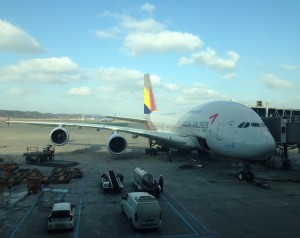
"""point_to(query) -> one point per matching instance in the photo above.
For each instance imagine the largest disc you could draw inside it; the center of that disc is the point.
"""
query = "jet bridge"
(293, 132)
(283, 123)
(286, 135)
(282, 130)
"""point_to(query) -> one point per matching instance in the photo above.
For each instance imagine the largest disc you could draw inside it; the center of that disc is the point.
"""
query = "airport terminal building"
(292, 115)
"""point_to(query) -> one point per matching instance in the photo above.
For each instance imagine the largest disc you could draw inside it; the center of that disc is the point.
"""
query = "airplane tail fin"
(149, 100)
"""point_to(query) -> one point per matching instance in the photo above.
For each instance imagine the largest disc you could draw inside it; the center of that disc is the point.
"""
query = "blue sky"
(90, 56)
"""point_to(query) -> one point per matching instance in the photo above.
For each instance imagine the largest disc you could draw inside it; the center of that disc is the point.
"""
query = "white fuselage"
(227, 128)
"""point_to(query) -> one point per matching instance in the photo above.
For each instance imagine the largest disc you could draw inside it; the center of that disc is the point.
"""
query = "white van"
(142, 210)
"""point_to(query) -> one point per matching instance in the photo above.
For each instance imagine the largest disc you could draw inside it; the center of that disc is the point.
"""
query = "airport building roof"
(293, 115)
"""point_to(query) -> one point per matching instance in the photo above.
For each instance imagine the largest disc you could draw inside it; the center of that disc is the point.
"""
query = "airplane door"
(220, 129)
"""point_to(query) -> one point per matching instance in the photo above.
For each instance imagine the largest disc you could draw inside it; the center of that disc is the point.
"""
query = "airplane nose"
(268, 147)
(263, 147)
(257, 146)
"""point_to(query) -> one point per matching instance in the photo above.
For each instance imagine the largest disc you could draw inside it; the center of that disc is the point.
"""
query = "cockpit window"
(241, 125)
(254, 124)
(247, 124)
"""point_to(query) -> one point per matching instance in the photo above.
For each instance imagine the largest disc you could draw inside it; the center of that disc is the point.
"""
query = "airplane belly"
(181, 142)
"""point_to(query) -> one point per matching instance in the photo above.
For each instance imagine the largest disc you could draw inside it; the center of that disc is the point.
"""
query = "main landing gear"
(151, 150)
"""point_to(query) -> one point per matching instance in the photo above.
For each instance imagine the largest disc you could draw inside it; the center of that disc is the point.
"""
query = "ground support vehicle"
(34, 156)
(144, 182)
(34, 184)
(112, 181)
(142, 210)
(61, 217)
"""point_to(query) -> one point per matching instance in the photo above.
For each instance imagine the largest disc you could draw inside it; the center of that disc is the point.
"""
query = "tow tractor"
(34, 156)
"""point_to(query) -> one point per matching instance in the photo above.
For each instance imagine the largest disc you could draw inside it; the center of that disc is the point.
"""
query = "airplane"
(226, 128)
(106, 119)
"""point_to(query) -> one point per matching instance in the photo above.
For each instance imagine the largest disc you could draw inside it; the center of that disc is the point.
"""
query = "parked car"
(61, 217)
(142, 210)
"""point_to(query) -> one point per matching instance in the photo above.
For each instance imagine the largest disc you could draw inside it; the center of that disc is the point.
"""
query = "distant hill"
(39, 115)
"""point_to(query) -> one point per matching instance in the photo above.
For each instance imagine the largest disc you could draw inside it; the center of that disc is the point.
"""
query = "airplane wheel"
(241, 175)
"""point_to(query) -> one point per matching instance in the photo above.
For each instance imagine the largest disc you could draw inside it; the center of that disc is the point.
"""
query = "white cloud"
(127, 25)
(198, 94)
(112, 88)
(171, 87)
(120, 84)
(272, 81)
(147, 25)
(209, 57)
(81, 91)
(15, 91)
(202, 92)
(50, 65)
(148, 36)
(15, 39)
(289, 67)
(230, 76)
(116, 76)
(49, 70)
(105, 34)
(164, 41)
(148, 7)
(18, 91)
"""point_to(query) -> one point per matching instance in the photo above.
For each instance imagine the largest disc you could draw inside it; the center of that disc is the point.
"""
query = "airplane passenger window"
(247, 124)
(241, 125)
(254, 124)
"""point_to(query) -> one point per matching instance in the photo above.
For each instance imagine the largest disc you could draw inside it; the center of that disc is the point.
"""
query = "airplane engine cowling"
(116, 144)
(59, 136)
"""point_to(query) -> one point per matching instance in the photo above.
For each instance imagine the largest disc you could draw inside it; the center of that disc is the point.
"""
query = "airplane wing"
(130, 119)
(116, 143)
(74, 124)
(162, 137)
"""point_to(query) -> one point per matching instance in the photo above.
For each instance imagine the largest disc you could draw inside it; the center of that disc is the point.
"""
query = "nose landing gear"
(244, 171)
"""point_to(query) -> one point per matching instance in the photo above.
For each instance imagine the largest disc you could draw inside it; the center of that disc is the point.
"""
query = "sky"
(89, 57)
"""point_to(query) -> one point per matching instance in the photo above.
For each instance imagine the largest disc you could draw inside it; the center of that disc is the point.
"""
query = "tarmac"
(202, 197)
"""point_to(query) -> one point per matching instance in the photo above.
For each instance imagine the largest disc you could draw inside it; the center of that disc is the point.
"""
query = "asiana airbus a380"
(223, 127)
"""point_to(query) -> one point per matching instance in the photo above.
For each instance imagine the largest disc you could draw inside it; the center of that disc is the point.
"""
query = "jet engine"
(116, 144)
(59, 136)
